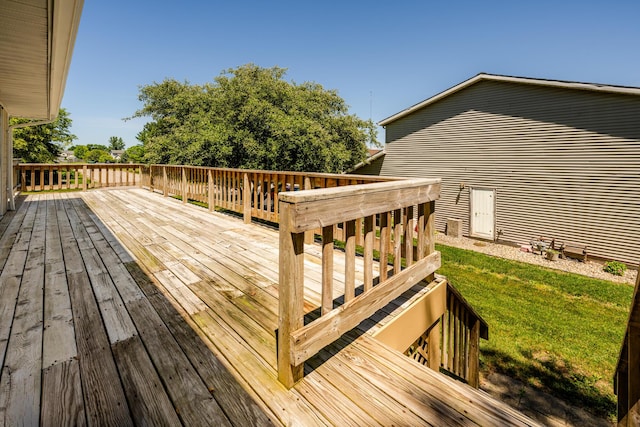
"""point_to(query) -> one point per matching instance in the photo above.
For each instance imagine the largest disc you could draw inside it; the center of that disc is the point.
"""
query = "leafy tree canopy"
(134, 154)
(116, 143)
(98, 156)
(80, 151)
(42, 143)
(250, 117)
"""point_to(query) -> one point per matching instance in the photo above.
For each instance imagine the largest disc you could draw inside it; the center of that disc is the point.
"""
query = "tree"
(116, 143)
(134, 154)
(97, 147)
(80, 151)
(42, 143)
(250, 117)
(98, 156)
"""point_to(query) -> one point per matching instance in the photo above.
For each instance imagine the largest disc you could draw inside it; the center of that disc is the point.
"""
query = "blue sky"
(381, 57)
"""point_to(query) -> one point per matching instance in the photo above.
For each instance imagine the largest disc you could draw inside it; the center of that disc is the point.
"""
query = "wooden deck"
(121, 307)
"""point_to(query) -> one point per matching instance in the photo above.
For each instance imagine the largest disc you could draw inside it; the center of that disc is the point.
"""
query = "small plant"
(614, 267)
(552, 254)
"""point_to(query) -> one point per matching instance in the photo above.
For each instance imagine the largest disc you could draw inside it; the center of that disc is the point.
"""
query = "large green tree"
(42, 143)
(251, 117)
(116, 143)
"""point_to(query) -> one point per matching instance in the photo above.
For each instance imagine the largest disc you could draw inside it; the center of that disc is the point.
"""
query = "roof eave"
(510, 79)
(64, 29)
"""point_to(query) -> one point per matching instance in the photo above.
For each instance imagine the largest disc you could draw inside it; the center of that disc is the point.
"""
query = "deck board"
(123, 307)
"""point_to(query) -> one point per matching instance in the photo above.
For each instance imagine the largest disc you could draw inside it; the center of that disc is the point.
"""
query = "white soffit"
(36, 44)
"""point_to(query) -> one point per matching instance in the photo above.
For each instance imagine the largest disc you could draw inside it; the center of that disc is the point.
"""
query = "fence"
(63, 176)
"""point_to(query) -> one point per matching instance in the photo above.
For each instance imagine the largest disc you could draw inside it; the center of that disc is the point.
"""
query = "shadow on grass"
(554, 376)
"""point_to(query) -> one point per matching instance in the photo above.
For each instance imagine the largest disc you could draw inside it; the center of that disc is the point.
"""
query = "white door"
(483, 208)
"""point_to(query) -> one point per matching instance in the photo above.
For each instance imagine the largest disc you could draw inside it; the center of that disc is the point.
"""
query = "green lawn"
(557, 331)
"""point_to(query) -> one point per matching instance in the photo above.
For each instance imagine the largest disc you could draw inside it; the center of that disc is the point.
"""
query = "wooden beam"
(291, 298)
(416, 319)
(327, 269)
(184, 185)
(473, 377)
(350, 260)
(321, 207)
(633, 374)
(369, 237)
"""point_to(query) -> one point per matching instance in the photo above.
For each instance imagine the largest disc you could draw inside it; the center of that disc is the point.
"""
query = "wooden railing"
(440, 330)
(390, 217)
(252, 193)
(462, 329)
(62, 176)
(626, 382)
(384, 208)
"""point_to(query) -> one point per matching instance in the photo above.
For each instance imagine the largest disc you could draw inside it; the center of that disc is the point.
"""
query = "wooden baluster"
(369, 237)
(350, 260)
(309, 235)
(246, 198)
(165, 184)
(261, 200)
(184, 185)
(407, 225)
(422, 241)
(51, 185)
(397, 241)
(385, 238)
(210, 190)
(327, 269)
(430, 233)
(359, 233)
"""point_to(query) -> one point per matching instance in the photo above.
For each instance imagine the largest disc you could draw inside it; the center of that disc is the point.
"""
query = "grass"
(556, 331)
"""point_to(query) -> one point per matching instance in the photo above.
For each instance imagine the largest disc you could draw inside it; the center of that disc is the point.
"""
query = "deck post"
(308, 235)
(291, 296)
(430, 232)
(474, 355)
(184, 185)
(633, 374)
(165, 192)
(246, 198)
(622, 384)
(84, 178)
(210, 198)
(433, 344)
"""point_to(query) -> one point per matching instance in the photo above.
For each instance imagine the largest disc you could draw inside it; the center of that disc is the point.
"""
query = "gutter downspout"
(12, 198)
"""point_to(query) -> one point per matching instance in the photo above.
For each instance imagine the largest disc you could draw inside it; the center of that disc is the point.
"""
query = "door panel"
(482, 222)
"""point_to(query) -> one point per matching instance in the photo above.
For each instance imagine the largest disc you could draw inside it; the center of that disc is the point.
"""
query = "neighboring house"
(522, 158)
(36, 42)
(372, 164)
(66, 157)
(116, 154)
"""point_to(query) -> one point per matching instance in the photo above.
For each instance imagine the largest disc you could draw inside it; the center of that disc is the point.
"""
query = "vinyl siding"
(565, 163)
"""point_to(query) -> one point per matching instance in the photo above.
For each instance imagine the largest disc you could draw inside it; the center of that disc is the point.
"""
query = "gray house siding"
(565, 163)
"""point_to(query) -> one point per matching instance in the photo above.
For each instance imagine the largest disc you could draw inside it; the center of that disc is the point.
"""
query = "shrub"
(614, 267)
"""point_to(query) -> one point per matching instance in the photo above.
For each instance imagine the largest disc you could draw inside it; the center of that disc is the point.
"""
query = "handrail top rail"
(354, 190)
(81, 164)
(293, 173)
(312, 209)
(258, 171)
